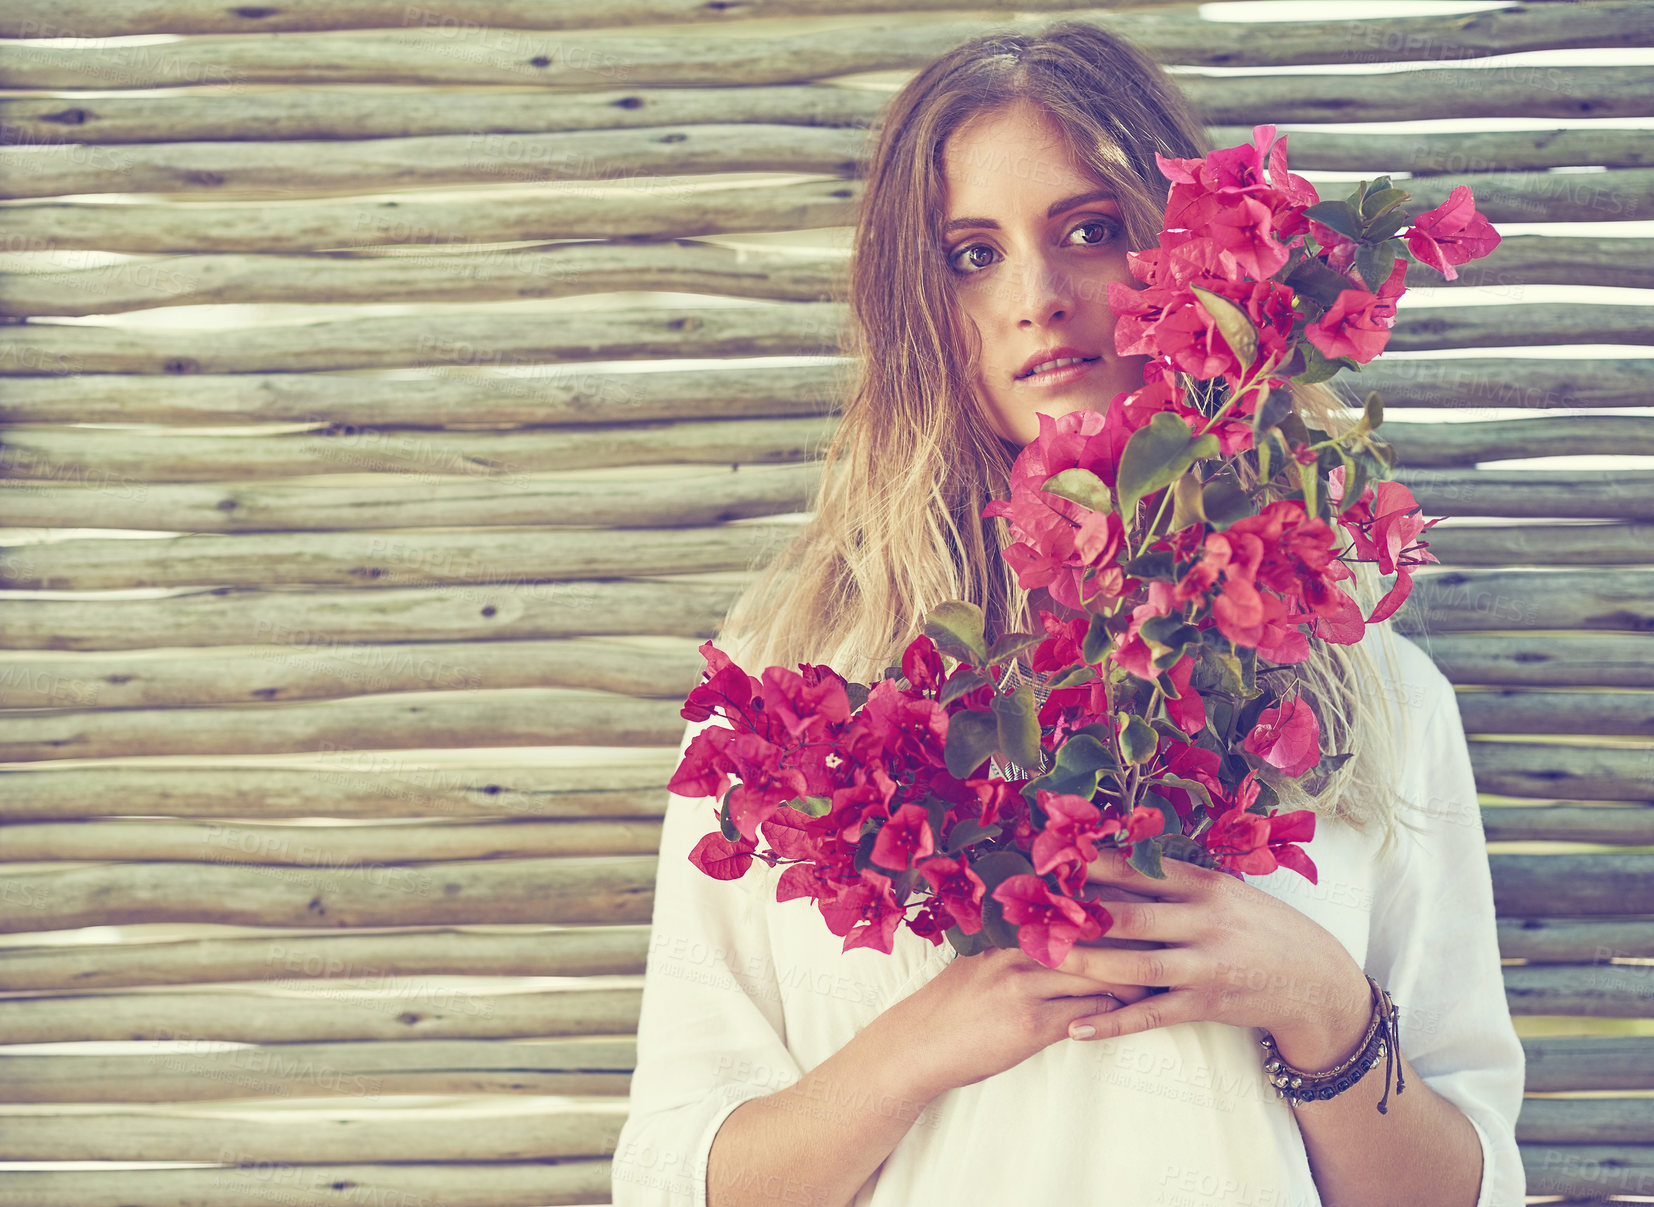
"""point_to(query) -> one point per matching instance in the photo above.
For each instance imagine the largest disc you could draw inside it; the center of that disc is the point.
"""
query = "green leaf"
(1372, 413)
(1194, 787)
(968, 945)
(726, 824)
(1077, 677)
(960, 683)
(814, 806)
(1138, 740)
(966, 831)
(972, 737)
(1317, 367)
(1225, 503)
(1237, 330)
(858, 693)
(1276, 406)
(1156, 563)
(1080, 486)
(956, 628)
(1018, 718)
(1309, 480)
(995, 868)
(1098, 640)
(1386, 226)
(1339, 215)
(1156, 454)
(1188, 507)
(1377, 204)
(1181, 846)
(1317, 282)
(1375, 262)
(1078, 763)
(1174, 823)
(1145, 857)
(1009, 645)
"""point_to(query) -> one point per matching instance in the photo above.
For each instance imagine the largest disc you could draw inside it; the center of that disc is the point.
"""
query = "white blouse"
(743, 995)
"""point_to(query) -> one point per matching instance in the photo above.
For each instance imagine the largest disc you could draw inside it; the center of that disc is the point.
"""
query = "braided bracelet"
(1381, 1040)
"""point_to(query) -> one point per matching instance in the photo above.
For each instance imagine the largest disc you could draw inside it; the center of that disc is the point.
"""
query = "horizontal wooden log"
(465, 1133)
(1613, 598)
(335, 1012)
(567, 397)
(1535, 493)
(577, 889)
(1462, 445)
(1496, 710)
(141, 680)
(321, 619)
(576, 951)
(479, 557)
(325, 847)
(793, 329)
(584, 211)
(1561, 1063)
(1552, 771)
(1577, 885)
(1629, 826)
(454, 275)
(564, 211)
(316, 168)
(574, 1182)
(353, 783)
(451, 55)
(1571, 940)
(364, 1072)
(1457, 543)
(1477, 385)
(512, 716)
(1585, 1121)
(1589, 1170)
(1398, 96)
(1548, 660)
(303, 16)
(77, 454)
(1601, 990)
(686, 499)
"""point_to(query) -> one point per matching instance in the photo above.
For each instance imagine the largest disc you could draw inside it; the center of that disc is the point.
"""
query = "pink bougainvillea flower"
(866, 913)
(1384, 526)
(958, 887)
(1452, 233)
(721, 859)
(1286, 736)
(904, 838)
(1350, 327)
(1048, 924)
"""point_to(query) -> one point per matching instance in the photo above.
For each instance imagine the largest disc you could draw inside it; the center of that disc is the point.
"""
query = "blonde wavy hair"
(896, 526)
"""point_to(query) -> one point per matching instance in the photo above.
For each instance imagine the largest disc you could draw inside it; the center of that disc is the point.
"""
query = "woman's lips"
(1055, 378)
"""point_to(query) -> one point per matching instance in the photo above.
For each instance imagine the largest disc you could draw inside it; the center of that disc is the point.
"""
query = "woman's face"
(1031, 242)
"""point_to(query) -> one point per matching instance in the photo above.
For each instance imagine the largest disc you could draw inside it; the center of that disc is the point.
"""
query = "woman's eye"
(1106, 227)
(961, 257)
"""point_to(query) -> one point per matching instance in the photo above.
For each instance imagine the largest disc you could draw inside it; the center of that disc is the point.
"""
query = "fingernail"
(1082, 1032)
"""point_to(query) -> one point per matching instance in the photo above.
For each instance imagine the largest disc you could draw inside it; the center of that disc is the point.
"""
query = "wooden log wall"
(341, 646)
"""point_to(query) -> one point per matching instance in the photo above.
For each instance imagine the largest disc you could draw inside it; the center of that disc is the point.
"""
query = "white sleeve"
(711, 1032)
(1434, 944)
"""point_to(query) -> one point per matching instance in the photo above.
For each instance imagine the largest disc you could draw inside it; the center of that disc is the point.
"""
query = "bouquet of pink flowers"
(950, 800)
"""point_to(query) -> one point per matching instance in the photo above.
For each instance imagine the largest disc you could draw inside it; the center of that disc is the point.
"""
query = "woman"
(1008, 181)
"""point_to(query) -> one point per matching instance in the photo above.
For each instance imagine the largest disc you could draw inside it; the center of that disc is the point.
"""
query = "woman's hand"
(986, 1013)
(1227, 952)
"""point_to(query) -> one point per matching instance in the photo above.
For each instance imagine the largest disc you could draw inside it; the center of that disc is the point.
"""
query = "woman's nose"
(1044, 292)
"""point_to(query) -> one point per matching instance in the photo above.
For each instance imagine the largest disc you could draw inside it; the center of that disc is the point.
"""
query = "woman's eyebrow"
(1066, 203)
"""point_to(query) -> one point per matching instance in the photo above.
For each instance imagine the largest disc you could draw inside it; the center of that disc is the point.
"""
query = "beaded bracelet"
(1382, 1039)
